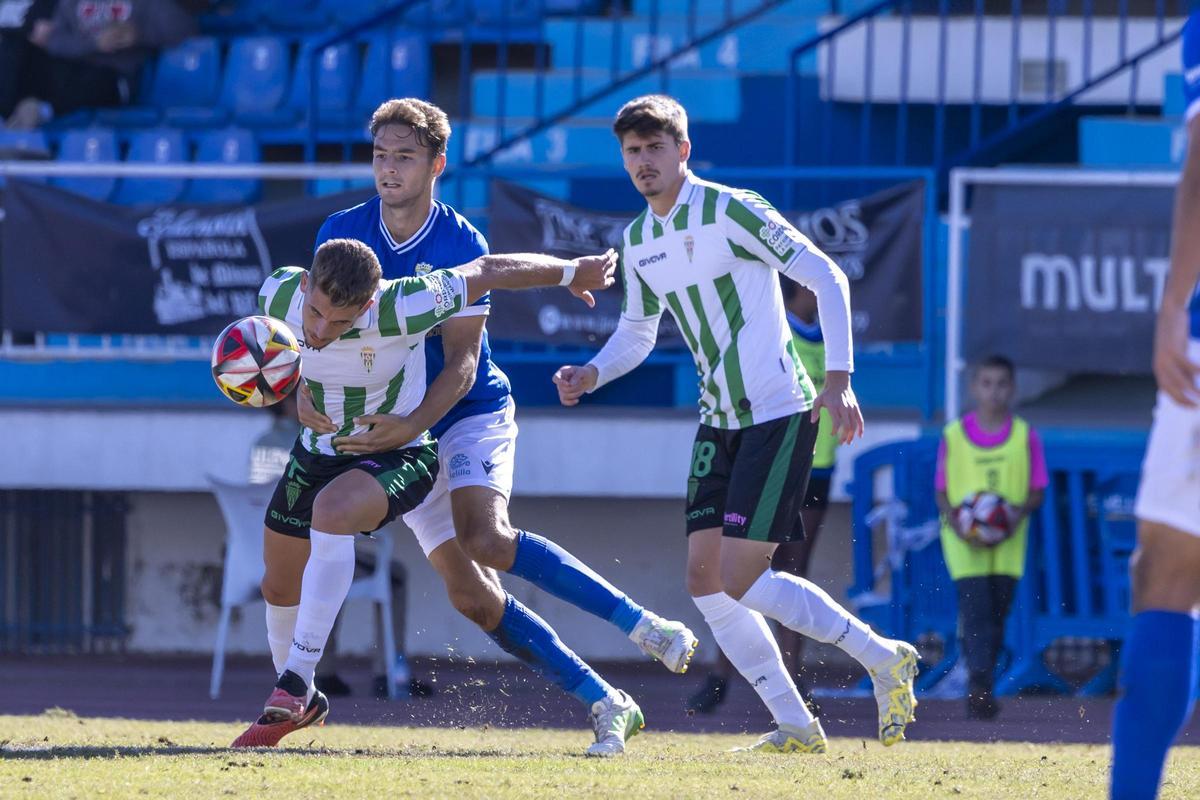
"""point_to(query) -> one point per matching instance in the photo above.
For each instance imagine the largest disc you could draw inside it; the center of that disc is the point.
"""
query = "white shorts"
(475, 451)
(1169, 492)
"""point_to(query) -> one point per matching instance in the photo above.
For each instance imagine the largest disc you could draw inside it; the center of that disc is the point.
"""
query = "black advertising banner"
(522, 221)
(1067, 277)
(74, 265)
(876, 240)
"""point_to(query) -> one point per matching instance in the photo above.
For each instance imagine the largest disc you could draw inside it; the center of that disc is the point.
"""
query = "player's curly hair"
(428, 122)
(652, 113)
(346, 271)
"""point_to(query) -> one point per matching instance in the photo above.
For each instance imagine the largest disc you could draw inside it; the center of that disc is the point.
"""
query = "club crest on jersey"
(689, 244)
(422, 269)
(368, 357)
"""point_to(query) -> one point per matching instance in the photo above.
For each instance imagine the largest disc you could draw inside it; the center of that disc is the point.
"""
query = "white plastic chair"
(244, 507)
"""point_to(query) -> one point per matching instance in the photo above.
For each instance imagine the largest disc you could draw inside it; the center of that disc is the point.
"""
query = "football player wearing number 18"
(339, 310)
(709, 254)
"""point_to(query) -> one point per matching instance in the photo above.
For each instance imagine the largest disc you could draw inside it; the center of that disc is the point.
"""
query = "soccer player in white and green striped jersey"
(708, 254)
(364, 355)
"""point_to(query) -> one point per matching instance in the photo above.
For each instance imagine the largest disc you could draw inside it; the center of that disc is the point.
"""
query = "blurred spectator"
(987, 450)
(24, 67)
(93, 52)
(269, 459)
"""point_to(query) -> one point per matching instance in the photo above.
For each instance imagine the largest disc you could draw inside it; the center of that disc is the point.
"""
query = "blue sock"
(1157, 675)
(525, 635)
(554, 570)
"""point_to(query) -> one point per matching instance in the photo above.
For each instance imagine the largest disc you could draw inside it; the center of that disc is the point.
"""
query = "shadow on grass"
(39, 752)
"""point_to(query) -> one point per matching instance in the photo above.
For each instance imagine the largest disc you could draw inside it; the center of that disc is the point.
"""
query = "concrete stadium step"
(709, 96)
(760, 46)
(1132, 142)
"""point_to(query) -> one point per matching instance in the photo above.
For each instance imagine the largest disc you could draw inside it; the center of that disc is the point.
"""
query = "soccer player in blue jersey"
(1159, 661)
(463, 526)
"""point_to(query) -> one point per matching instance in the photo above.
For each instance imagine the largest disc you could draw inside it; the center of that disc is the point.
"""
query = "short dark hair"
(652, 113)
(347, 271)
(428, 122)
(997, 361)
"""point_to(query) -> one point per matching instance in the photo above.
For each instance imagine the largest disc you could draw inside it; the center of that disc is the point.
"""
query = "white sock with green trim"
(805, 608)
(744, 636)
(326, 582)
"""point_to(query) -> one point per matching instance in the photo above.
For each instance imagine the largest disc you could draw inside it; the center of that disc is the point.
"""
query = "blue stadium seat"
(155, 146)
(257, 72)
(394, 66)
(337, 78)
(187, 82)
(23, 144)
(91, 145)
(511, 12)
(188, 75)
(296, 15)
(227, 146)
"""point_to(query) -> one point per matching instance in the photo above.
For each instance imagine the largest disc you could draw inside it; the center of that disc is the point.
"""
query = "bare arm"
(461, 337)
(1176, 374)
(531, 270)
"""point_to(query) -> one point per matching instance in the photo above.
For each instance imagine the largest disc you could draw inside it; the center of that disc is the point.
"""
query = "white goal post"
(959, 221)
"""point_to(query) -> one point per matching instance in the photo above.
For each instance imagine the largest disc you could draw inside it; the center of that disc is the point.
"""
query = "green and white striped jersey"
(378, 366)
(712, 263)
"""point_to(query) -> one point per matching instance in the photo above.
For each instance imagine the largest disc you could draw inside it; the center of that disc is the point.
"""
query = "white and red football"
(985, 519)
(256, 361)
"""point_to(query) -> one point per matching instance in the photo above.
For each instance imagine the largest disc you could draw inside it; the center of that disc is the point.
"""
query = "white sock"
(281, 624)
(805, 608)
(744, 637)
(327, 579)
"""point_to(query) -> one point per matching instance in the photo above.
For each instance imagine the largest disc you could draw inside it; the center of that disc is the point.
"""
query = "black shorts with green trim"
(406, 475)
(751, 482)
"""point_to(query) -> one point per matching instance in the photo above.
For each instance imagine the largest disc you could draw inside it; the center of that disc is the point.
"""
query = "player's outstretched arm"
(1175, 372)
(574, 382)
(581, 276)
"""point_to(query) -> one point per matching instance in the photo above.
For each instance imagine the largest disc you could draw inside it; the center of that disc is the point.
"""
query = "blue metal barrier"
(1076, 582)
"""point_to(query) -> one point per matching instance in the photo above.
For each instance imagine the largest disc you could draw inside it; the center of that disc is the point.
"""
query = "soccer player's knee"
(702, 580)
(487, 543)
(1164, 581)
(278, 593)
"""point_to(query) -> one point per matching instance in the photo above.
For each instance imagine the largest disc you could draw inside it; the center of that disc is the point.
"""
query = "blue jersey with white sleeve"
(446, 239)
(1191, 92)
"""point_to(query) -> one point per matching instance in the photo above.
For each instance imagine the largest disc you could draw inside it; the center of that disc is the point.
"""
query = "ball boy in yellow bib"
(987, 450)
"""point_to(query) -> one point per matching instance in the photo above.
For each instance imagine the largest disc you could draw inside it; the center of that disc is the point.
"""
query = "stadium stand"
(240, 94)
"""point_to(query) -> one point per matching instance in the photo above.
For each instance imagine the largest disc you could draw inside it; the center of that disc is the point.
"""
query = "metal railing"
(925, 83)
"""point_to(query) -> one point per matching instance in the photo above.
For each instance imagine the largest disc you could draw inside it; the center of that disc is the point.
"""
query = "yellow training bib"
(1004, 470)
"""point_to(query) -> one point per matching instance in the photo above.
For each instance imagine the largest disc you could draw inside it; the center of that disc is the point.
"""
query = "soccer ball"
(256, 361)
(986, 519)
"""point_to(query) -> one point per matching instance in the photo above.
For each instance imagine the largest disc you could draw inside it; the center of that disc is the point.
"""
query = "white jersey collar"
(686, 191)
(412, 241)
